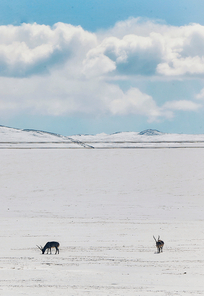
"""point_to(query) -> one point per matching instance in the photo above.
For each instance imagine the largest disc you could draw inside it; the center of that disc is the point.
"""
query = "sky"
(88, 67)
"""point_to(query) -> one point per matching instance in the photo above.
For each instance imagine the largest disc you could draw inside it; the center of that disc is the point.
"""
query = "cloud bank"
(63, 70)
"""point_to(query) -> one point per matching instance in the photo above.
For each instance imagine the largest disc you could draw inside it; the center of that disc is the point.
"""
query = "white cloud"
(32, 49)
(96, 65)
(181, 105)
(132, 47)
(158, 49)
(200, 96)
(64, 69)
(131, 55)
(135, 102)
(57, 96)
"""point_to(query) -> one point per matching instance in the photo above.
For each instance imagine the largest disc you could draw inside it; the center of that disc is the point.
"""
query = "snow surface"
(103, 206)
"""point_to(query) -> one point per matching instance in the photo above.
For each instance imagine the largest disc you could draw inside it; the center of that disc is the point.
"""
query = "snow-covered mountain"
(150, 132)
(18, 138)
(8, 134)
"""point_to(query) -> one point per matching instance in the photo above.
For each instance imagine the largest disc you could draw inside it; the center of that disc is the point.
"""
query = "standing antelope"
(159, 244)
(48, 247)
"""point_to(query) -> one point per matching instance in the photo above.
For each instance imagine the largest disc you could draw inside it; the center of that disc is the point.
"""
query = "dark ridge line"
(137, 142)
(100, 142)
(185, 147)
(18, 142)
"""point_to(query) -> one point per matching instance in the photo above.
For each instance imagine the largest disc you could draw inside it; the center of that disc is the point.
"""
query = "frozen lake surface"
(103, 206)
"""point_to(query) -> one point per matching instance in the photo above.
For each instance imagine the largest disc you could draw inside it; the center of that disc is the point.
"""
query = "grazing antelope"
(48, 247)
(159, 244)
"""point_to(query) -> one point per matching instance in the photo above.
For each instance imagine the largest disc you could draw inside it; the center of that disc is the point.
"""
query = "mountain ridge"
(40, 133)
(150, 138)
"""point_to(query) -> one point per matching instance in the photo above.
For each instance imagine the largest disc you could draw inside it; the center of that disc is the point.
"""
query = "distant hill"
(150, 138)
(8, 134)
(150, 132)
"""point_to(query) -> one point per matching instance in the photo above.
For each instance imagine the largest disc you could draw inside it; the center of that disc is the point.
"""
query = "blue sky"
(75, 67)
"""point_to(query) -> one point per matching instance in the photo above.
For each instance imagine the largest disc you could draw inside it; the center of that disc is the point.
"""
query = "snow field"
(103, 206)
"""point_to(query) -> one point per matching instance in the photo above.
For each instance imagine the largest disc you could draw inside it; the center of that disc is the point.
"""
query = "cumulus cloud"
(132, 47)
(32, 49)
(135, 102)
(182, 105)
(56, 96)
(131, 55)
(200, 96)
(154, 48)
(64, 69)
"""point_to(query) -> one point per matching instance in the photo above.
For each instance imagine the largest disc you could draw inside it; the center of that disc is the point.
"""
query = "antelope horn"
(39, 247)
(154, 238)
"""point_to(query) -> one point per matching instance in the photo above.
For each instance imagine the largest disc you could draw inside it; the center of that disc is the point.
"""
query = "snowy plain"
(103, 206)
